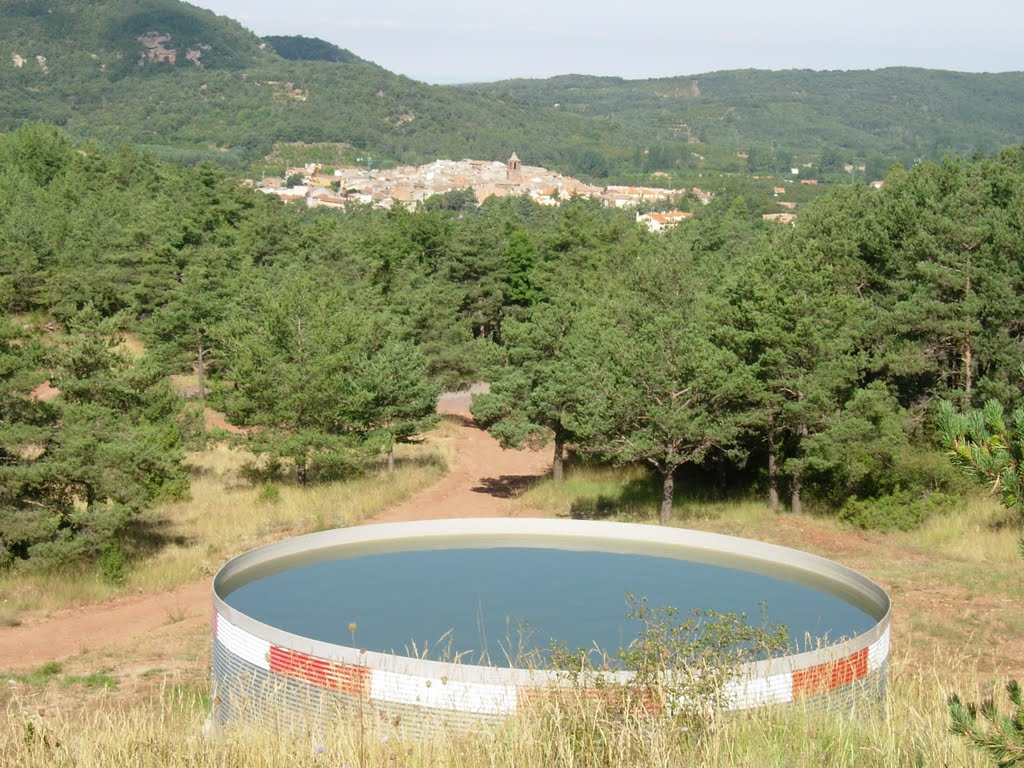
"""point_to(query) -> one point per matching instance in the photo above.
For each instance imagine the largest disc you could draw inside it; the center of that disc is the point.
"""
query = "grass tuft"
(53, 671)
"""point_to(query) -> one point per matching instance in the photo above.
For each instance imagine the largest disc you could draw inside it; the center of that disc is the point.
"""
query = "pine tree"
(659, 385)
(75, 471)
(291, 354)
(398, 396)
(1000, 736)
(988, 447)
(535, 389)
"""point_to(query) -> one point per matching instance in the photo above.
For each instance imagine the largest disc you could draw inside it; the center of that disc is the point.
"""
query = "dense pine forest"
(802, 364)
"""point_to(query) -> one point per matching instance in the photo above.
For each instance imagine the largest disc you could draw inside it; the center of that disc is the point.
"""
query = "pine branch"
(999, 735)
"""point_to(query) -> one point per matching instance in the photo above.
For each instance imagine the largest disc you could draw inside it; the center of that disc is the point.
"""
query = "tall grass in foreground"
(911, 730)
(186, 540)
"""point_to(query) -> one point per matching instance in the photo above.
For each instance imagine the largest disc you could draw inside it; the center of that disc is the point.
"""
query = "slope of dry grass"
(225, 515)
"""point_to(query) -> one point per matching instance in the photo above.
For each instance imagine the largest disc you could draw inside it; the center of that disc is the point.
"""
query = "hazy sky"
(448, 41)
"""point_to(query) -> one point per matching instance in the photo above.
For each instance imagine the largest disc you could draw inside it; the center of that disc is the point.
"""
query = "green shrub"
(113, 563)
(270, 493)
(680, 666)
(901, 510)
(263, 472)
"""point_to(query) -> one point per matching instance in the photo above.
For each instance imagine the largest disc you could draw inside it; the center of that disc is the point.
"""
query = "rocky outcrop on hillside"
(156, 50)
(20, 61)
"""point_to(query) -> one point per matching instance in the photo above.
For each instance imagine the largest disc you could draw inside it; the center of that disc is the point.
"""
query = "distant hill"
(299, 48)
(897, 112)
(118, 37)
(192, 85)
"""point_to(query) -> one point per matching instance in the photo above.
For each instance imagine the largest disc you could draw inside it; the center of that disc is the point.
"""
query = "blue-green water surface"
(493, 604)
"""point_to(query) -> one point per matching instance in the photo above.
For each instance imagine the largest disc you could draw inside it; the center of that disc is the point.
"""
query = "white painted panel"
(878, 651)
(754, 692)
(243, 645)
(479, 698)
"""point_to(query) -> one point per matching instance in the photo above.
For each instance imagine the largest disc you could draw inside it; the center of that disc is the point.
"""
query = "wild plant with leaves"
(683, 667)
(675, 667)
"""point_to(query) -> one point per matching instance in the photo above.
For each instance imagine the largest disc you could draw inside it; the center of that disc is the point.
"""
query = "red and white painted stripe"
(440, 693)
(785, 687)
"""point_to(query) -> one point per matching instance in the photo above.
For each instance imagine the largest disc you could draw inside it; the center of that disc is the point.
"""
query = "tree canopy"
(801, 362)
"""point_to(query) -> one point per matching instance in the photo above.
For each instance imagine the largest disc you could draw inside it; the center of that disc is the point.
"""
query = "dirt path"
(150, 630)
(483, 481)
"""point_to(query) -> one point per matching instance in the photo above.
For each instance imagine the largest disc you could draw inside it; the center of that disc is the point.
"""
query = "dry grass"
(227, 515)
(593, 491)
(166, 730)
(627, 494)
(224, 516)
(983, 531)
(132, 345)
(912, 729)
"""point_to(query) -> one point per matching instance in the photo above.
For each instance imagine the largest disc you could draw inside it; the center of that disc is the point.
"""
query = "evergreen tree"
(988, 447)
(951, 278)
(196, 308)
(398, 399)
(78, 469)
(659, 386)
(536, 388)
(796, 326)
(291, 355)
(998, 735)
(28, 512)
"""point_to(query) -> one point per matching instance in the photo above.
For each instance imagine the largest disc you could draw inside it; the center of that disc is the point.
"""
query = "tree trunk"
(667, 492)
(301, 471)
(968, 373)
(201, 370)
(721, 479)
(558, 461)
(391, 459)
(773, 478)
(968, 351)
(796, 503)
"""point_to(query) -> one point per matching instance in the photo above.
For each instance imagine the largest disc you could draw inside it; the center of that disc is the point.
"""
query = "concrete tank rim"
(637, 533)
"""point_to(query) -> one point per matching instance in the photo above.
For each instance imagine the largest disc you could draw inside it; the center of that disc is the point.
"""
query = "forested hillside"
(106, 73)
(778, 117)
(801, 364)
(298, 48)
(191, 85)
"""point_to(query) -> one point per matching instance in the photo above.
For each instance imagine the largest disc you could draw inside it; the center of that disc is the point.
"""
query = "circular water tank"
(442, 623)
